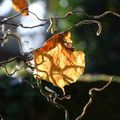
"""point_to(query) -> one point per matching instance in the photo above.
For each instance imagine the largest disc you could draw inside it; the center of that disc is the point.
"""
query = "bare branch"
(16, 69)
(29, 27)
(104, 14)
(14, 16)
(84, 22)
(18, 58)
(53, 97)
(13, 59)
(9, 33)
(91, 94)
(5, 20)
(98, 16)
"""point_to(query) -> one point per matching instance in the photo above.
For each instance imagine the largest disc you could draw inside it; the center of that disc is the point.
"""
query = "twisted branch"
(91, 94)
(97, 16)
(84, 22)
(51, 95)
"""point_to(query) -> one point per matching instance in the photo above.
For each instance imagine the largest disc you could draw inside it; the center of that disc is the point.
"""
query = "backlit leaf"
(57, 62)
(19, 5)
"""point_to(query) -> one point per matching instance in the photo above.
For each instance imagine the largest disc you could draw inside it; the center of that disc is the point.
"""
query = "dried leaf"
(19, 5)
(57, 62)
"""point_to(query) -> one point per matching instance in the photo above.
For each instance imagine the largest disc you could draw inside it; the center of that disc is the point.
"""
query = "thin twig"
(91, 94)
(46, 20)
(13, 59)
(12, 73)
(28, 27)
(18, 58)
(5, 20)
(9, 33)
(14, 16)
(52, 97)
(63, 17)
(84, 22)
(104, 14)
(97, 16)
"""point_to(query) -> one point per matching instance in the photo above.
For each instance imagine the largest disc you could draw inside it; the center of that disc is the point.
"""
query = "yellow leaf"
(57, 62)
(19, 5)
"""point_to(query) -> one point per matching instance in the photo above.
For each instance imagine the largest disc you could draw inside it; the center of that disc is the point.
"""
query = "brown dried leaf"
(57, 62)
(19, 5)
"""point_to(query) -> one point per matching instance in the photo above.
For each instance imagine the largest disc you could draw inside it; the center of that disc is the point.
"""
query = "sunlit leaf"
(19, 5)
(57, 62)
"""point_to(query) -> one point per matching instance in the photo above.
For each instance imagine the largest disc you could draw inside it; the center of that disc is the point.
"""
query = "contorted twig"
(84, 22)
(6, 20)
(9, 33)
(47, 20)
(19, 58)
(101, 15)
(52, 97)
(25, 61)
(12, 73)
(91, 94)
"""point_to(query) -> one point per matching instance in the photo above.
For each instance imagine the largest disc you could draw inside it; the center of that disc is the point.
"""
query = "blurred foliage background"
(19, 101)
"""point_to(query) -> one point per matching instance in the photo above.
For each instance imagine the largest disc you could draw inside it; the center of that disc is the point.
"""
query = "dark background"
(21, 101)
